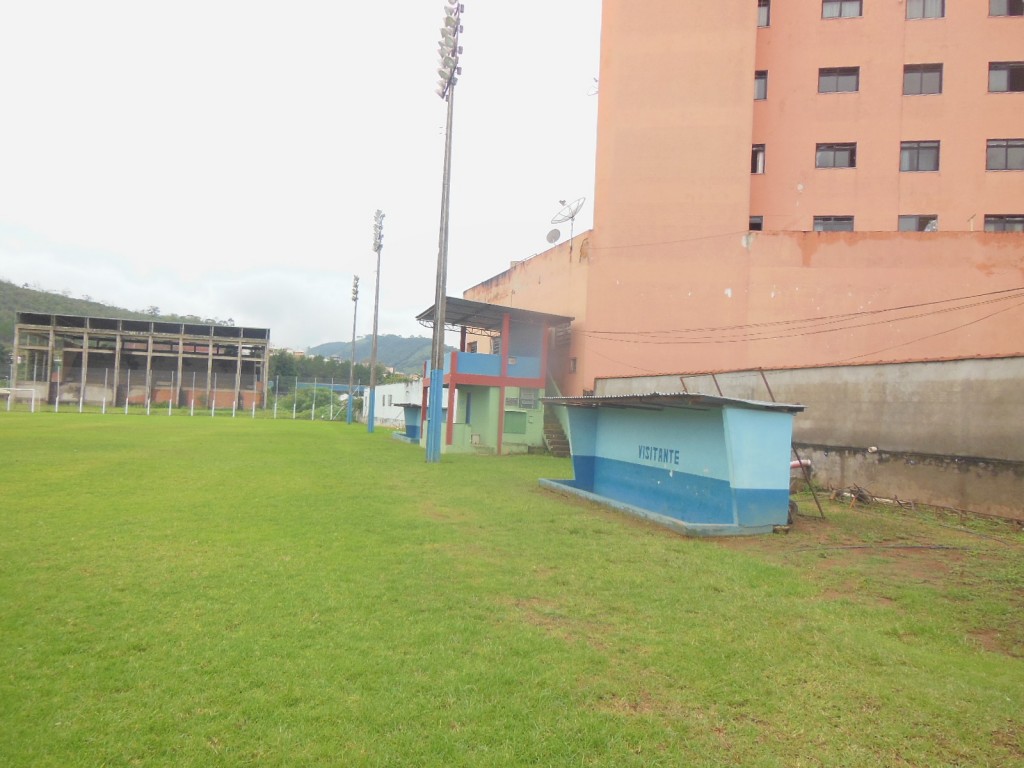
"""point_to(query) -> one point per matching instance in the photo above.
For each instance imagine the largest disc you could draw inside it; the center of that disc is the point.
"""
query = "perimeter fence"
(194, 395)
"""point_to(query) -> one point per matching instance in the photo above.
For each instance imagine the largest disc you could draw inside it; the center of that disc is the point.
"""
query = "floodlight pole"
(450, 50)
(352, 364)
(378, 246)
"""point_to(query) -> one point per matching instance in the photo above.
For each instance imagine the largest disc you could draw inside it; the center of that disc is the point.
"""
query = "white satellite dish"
(568, 213)
(553, 236)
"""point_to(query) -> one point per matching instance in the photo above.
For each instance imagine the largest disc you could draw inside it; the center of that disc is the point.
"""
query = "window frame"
(821, 224)
(921, 71)
(765, 16)
(923, 5)
(841, 6)
(755, 220)
(760, 84)
(1011, 8)
(757, 159)
(917, 148)
(997, 222)
(837, 73)
(927, 219)
(1014, 76)
(1012, 154)
(835, 150)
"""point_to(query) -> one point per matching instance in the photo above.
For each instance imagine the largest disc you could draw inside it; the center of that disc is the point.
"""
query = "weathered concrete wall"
(943, 433)
(989, 487)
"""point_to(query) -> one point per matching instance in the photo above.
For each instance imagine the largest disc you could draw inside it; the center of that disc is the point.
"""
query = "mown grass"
(279, 593)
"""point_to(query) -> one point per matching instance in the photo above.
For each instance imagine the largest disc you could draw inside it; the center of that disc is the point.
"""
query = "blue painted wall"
(727, 467)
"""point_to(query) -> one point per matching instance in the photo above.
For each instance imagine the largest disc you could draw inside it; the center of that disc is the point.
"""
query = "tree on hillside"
(285, 364)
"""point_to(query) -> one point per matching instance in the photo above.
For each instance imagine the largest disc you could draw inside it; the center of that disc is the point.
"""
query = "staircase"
(554, 436)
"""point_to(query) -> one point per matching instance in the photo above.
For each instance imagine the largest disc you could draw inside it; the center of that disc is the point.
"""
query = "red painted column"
(450, 421)
(544, 351)
(501, 416)
(505, 337)
(505, 333)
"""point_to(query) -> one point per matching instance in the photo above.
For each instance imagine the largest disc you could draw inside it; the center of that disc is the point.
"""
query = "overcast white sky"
(224, 158)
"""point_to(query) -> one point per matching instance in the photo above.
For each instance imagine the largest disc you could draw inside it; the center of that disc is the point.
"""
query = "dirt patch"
(993, 641)
(642, 703)
(556, 622)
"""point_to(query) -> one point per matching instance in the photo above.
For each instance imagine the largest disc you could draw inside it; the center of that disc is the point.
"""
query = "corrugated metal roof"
(486, 317)
(661, 401)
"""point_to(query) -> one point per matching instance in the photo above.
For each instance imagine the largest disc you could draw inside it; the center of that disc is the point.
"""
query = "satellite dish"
(553, 236)
(568, 213)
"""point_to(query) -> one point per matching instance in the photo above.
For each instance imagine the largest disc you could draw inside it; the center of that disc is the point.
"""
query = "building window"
(835, 156)
(841, 9)
(1004, 222)
(471, 347)
(1006, 7)
(757, 158)
(1005, 155)
(839, 80)
(764, 13)
(920, 79)
(1006, 76)
(761, 84)
(528, 398)
(919, 156)
(756, 223)
(833, 223)
(572, 365)
(919, 223)
(926, 9)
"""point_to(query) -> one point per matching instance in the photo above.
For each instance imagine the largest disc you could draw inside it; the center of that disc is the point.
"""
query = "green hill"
(406, 354)
(14, 299)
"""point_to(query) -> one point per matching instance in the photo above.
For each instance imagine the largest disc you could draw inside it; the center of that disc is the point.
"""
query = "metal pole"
(378, 246)
(352, 362)
(434, 403)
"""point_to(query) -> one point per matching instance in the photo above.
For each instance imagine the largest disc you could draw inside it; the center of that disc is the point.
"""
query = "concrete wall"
(776, 300)
(943, 433)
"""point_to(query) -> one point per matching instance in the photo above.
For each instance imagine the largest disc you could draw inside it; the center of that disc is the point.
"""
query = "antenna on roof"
(567, 213)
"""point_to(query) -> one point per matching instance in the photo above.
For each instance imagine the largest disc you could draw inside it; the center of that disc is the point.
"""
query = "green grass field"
(203, 592)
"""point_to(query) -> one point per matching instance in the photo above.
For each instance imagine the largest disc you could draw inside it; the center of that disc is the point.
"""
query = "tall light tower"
(352, 364)
(378, 246)
(449, 51)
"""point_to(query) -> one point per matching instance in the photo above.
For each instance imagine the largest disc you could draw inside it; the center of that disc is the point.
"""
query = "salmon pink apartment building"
(804, 185)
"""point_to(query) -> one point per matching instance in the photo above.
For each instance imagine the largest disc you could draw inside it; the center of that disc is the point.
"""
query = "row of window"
(916, 9)
(1003, 222)
(918, 79)
(1000, 155)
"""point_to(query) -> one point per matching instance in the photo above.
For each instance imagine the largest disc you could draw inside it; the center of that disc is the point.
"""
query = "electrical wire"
(804, 327)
